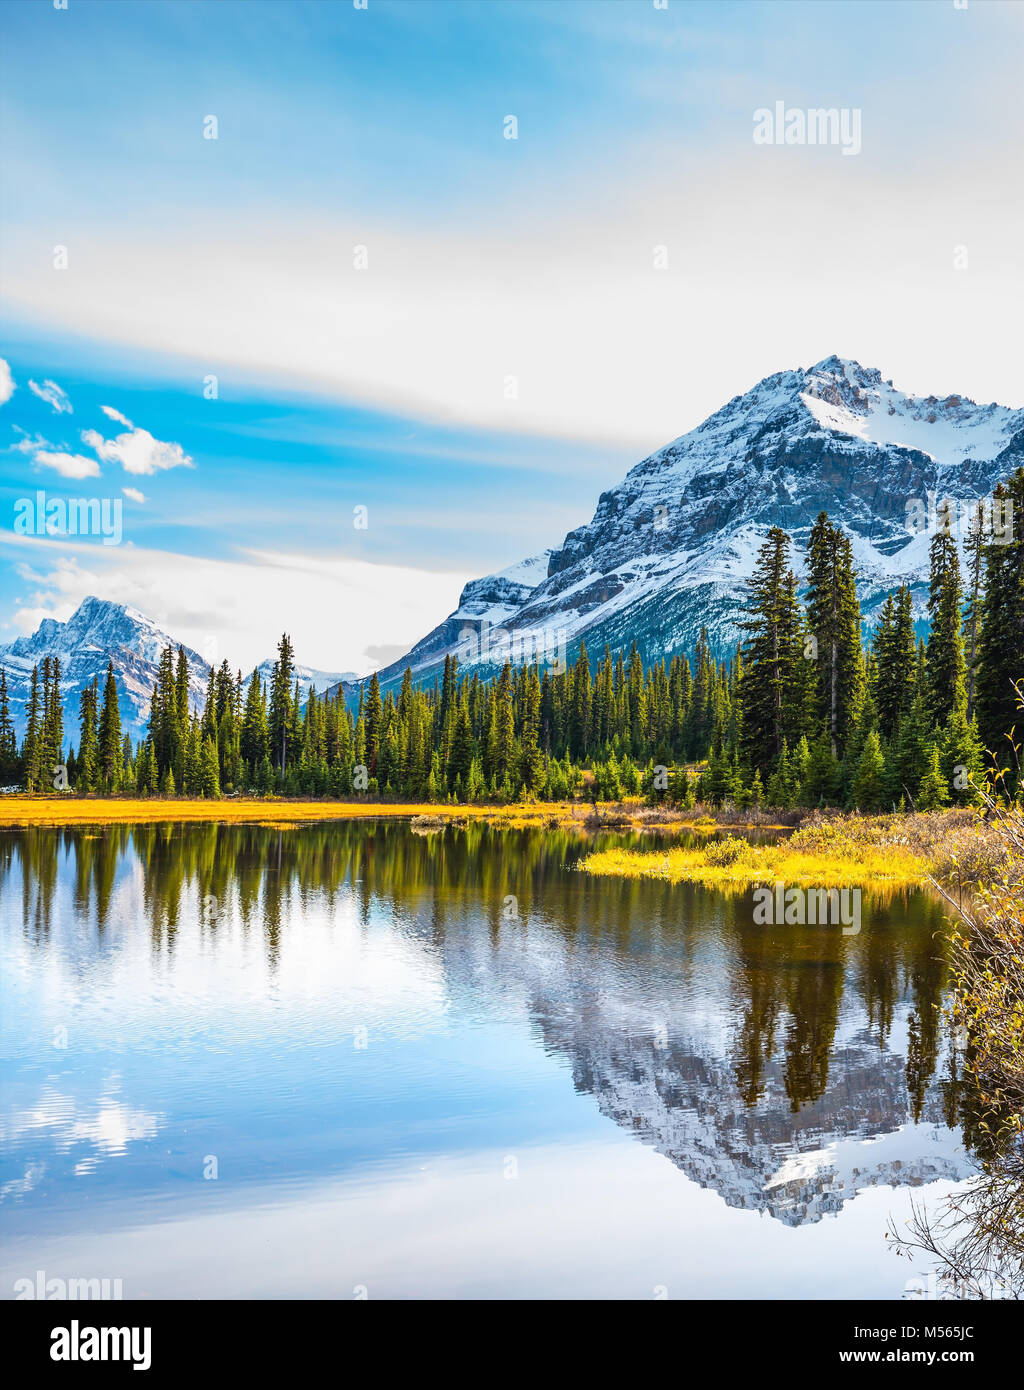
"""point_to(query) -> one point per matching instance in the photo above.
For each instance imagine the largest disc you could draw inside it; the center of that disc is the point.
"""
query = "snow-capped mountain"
(308, 677)
(100, 631)
(667, 550)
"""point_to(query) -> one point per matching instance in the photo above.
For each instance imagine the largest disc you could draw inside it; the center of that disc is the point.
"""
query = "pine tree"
(254, 741)
(192, 780)
(109, 734)
(833, 616)
(579, 714)
(181, 701)
(88, 746)
(933, 791)
(821, 783)
(531, 760)
(911, 752)
(946, 669)
(209, 723)
(1000, 658)
(146, 780)
(501, 733)
(868, 789)
(209, 775)
(374, 720)
(895, 661)
(963, 760)
(780, 784)
(976, 538)
(770, 653)
(52, 734)
(30, 749)
(8, 740)
(280, 714)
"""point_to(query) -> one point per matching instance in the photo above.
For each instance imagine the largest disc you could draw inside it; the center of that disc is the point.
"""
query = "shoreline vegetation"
(976, 1239)
(810, 709)
(957, 848)
(62, 810)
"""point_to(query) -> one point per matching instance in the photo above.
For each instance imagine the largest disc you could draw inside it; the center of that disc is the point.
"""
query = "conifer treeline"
(804, 713)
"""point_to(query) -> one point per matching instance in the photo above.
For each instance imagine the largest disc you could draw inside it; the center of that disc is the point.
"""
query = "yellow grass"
(61, 811)
(736, 864)
(71, 810)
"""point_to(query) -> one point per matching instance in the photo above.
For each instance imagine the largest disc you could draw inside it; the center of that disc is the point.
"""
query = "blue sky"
(509, 348)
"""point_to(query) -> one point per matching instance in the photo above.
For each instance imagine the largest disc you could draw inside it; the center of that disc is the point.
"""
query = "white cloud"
(133, 494)
(137, 451)
(53, 395)
(6, 382)
(334, 609)
(568, 301)
(67, 465)
(28, 443)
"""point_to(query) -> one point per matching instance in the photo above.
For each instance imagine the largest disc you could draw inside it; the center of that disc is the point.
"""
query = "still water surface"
(357, 1058)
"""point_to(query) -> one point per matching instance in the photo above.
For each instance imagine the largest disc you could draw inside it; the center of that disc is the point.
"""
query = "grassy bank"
(735, 864)
(900, 851)
(61, 811)
(955, 847)
(975, 1240)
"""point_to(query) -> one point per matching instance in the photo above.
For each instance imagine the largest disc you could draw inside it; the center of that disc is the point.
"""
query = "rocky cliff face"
(668, 549)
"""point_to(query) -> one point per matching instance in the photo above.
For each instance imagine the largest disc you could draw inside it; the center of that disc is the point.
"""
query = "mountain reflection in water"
(327, 1000)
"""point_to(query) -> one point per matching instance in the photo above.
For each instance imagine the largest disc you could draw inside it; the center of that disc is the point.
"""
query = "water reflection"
(214, 980)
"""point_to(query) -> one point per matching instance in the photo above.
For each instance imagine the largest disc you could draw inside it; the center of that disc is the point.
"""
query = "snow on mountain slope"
(97, 632)
(100, 631)
(858, 402)
(308, 677)
(668, 549)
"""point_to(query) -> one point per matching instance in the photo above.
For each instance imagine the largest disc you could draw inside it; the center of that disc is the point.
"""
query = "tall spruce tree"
(945, 670)
(110, 749)
(1001, 639)
(770, 653)
(833, 617)
(280, 714)
(895, 661)
(8, 739)
(31, 749)
(88, 746)
(976, 538)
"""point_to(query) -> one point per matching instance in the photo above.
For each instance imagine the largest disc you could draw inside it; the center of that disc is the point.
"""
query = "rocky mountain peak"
(667, 550)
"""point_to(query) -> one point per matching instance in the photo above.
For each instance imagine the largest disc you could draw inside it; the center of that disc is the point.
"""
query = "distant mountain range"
(100, 631)
(668, 549)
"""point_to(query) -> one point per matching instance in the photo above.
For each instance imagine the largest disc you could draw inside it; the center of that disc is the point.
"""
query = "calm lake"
(360, 1059)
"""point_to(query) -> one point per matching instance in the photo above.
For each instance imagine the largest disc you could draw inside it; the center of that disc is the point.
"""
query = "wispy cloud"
(6, 382)
(28, 443)
(238, 608)
(537, 260)
(67, 465)
(53, 395)
(133, 494)
(137, 451)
